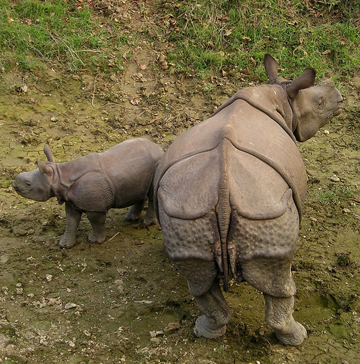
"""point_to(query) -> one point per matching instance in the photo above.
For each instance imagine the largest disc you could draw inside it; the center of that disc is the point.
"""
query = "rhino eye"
(321, 103)
(28, 184)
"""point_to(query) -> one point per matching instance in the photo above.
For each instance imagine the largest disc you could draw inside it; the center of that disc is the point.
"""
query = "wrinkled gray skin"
(120, 177)
(229, 194)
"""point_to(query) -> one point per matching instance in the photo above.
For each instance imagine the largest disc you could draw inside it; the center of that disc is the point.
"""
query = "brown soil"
(124, 301)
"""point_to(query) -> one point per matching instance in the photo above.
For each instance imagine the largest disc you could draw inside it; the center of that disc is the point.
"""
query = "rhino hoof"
(94, 239)
(149, 221)
(66, 244)
(131, 216)
(296, 338)
(205, 327)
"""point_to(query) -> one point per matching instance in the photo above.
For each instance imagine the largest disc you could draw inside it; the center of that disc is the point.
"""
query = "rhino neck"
(66, 174)
(59, 189)
(269, 99)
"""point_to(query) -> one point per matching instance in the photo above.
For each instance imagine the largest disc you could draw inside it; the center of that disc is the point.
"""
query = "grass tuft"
(320, 34)
(34, 32)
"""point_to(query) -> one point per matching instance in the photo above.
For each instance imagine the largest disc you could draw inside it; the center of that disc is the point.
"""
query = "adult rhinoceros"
(230, 191)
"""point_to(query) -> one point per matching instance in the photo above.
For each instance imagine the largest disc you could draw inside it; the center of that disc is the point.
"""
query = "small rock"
(54, 301)
(156, 333)
(172, 326)
(49, 277)
(346, 211)
(70, 305)
(335, 178)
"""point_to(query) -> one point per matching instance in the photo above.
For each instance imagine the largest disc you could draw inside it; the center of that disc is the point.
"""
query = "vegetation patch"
(226, 35)
(34, 33)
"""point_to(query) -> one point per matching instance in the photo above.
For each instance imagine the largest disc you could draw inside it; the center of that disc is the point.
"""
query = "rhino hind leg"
(97, 221)
(73, 217)
(150, 216)
(279, 316)
(134, 212)
(204, 285)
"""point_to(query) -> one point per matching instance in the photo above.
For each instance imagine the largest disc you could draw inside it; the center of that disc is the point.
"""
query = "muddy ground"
(124, 301)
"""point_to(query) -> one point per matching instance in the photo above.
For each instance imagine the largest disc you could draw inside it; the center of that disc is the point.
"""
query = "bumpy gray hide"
(229, 195)
(120, 177)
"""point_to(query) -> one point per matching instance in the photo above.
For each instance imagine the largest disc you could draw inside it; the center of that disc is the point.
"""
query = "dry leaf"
(135, 101)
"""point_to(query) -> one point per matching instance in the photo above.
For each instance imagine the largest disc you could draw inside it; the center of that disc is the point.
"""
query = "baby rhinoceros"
(230, 191)
(121, 176)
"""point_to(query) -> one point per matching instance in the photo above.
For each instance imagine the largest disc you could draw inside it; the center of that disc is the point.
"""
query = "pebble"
(335, 178)
(70, 305)
(172, 326)
(156, 333)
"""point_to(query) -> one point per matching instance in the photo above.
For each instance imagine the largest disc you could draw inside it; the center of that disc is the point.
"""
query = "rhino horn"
(45, 168)
(48, 153)
(305, 80)
(271, 68)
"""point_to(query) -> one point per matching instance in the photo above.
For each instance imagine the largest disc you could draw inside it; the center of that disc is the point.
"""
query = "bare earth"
(124, 301)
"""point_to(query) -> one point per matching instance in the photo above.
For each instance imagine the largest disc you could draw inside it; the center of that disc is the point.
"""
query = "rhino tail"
(223, 211)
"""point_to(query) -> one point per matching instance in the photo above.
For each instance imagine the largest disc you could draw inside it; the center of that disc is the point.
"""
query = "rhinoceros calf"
(120, 177)
(230, 191)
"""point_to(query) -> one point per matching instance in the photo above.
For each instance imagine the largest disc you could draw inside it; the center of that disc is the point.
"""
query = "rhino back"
(130, 167)
(261, 149)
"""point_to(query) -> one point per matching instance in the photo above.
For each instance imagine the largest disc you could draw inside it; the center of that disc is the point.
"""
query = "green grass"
(224, 35)
(334, 195)
(34, 32)
(201, 37)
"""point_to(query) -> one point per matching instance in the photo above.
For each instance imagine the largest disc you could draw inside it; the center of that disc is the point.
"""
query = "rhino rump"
(259, 198)
(257, 191)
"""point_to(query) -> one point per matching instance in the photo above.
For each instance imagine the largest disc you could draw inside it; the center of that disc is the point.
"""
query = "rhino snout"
(32, 185)
(16, 188)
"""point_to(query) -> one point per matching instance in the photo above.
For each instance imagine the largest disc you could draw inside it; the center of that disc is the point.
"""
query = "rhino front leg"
(73, 217)
(135, 211)
(97, 221)
(279, 316)
(204, 285)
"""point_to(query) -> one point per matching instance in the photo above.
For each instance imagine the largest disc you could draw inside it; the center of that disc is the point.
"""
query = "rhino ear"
(305, 80)
(48, 153)
(271, 68)
(45, 168)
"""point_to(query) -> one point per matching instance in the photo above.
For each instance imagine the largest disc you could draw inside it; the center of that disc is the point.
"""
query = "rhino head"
(36, 185)
(313, 106)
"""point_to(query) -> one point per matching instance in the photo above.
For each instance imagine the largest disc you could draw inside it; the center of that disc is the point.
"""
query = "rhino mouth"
(16, 188)
(337, 111)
